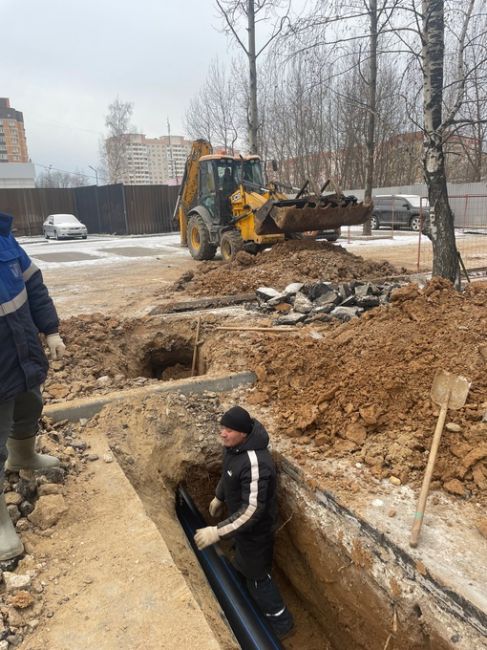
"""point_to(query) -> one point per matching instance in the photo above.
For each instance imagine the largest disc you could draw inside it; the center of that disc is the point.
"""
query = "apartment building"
(135, 159)
(13, 145)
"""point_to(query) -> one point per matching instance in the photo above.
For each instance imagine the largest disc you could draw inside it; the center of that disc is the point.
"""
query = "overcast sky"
(64, 62)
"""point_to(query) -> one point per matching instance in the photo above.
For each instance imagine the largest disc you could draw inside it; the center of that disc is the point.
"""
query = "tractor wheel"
(230, 243)
(199, 243)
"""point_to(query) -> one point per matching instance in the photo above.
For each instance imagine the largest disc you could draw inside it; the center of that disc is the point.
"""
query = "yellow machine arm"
(189, 185)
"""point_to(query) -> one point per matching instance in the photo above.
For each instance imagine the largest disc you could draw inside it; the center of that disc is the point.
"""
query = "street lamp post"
(96, 173)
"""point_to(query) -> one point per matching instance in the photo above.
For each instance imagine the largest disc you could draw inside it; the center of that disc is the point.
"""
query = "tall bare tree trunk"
(445, 262)
(253, 118)
(372, 108)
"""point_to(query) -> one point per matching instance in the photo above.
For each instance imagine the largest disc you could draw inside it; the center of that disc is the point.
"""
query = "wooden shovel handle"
(420, 508)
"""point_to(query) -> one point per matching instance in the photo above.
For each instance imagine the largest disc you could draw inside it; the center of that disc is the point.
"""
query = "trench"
(345, 591)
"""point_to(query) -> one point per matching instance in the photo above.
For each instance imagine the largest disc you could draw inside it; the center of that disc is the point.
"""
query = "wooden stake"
(196, 344)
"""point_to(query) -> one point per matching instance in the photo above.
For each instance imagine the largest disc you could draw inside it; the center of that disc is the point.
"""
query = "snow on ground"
(103, 249)
(109, 249)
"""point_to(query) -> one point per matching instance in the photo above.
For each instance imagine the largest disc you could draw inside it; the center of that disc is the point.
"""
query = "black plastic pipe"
(246, 620)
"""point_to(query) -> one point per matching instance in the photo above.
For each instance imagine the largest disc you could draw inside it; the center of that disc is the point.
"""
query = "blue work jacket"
(25, 310)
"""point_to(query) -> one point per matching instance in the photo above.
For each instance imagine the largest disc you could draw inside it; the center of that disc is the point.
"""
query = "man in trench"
(25, 310)
(247, 488)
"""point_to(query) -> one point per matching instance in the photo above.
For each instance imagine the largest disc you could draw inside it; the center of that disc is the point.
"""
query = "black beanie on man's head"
(237, 419)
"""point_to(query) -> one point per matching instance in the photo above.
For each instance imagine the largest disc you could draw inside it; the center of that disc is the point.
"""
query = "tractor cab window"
(207, 182)
(226, 177)
(207, 186)
(226, 186)
(250, 172)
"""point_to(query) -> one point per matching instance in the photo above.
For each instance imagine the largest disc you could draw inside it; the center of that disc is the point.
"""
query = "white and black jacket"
(248, 488)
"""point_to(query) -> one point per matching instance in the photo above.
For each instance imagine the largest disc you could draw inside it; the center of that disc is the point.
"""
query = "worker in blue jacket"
(25, 311)
(247, 489)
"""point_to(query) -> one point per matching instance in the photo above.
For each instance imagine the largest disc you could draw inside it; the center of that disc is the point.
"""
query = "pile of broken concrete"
(323, 301)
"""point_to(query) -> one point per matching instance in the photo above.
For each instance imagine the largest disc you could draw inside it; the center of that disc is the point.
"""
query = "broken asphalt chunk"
(266, 293)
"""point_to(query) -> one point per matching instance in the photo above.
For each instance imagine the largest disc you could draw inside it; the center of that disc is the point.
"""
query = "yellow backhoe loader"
(224, 202)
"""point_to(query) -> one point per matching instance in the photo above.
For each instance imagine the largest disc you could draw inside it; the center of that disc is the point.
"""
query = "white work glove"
(56, 346)
(216, 507)
(206, 537)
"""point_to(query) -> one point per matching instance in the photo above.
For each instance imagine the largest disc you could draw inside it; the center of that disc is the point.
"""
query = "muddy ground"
(355, 393)
(359, 390)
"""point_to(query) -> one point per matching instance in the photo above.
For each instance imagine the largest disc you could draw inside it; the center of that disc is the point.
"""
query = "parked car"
(400, 211)
(64, 226)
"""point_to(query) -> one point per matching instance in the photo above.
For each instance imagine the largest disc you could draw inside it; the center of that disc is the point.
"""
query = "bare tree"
(472, 133)
(250, 12)
(338, 26)
(213, 114)
(61, 179)
(114, 149)
(448, 32)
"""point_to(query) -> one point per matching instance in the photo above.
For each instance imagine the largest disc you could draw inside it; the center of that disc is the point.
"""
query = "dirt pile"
(364, 387)
(104, 354)
(291, 261)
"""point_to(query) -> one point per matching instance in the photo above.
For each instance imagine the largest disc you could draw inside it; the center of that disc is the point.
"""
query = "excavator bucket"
(310, 213)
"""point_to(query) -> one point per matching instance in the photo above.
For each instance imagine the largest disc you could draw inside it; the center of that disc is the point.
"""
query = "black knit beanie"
(237, 419)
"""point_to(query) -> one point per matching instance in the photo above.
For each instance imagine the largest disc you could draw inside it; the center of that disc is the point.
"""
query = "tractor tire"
(230, 243)
(198, 239)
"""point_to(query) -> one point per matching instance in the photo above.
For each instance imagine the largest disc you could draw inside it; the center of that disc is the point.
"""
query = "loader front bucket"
(290, 216)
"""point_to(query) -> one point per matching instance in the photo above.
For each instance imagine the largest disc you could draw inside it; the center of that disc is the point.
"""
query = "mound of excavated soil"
(364, 388)
(361, 390)
(291, 261)
(105, 354)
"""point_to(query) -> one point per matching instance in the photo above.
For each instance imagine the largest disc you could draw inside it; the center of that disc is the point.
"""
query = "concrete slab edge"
(73, 410)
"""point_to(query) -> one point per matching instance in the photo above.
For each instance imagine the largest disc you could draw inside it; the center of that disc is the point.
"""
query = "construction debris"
(323, 301)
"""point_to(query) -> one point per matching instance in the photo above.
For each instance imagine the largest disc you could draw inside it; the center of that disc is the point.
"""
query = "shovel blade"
(451, 388)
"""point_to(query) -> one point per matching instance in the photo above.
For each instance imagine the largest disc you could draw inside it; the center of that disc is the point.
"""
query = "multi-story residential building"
(13, 145)
(136, 160)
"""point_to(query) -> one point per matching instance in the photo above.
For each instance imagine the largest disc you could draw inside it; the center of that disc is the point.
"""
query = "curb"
(75, 409)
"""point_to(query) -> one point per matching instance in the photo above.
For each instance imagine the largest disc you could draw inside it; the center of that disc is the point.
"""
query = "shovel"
(449, 392)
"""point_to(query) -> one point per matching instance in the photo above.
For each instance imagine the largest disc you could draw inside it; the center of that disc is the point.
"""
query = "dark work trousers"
(19, 419)
(269, 599)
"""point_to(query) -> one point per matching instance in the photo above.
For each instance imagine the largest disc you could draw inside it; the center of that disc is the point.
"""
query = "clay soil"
(291, 261)
(363, 389)
(358, 391)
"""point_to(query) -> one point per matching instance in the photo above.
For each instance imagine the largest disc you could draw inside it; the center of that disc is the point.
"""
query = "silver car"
(63, 226)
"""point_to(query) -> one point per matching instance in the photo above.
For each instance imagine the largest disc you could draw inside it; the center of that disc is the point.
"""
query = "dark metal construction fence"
(109, 209)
